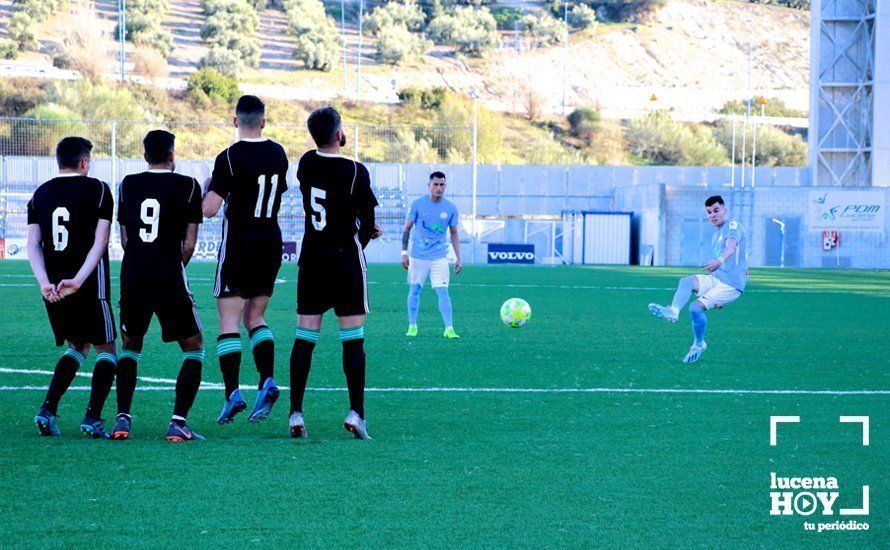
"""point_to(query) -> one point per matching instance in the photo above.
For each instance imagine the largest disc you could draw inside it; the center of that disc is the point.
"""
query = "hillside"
(691, 55)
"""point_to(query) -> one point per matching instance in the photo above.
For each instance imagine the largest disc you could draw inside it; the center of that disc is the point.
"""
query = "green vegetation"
(582, 16)
(472, 31)
(318, 42)
(583, 122)
(796, 4)
(427, 98)
(658, 139)
(506, 17)
(543, 29)
(144, 28)
(230, 29)
(772, 106)
(8, 50)
(774, 147)
(396, 26)
(213, 84)
(497, 469)
(26, 15)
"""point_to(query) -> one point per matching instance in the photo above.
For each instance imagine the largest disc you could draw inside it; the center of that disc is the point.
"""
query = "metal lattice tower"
(842, 34)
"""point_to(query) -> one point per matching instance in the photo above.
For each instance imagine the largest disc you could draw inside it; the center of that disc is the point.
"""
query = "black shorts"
(339, 281)
(248, 262)
(177, 314)
(82, 319)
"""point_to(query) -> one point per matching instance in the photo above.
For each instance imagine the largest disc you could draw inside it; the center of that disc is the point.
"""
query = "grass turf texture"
(473, 468)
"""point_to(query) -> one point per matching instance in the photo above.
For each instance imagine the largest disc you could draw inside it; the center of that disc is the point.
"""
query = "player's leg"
(135, 316)
(187, 385)
(228, 351)
(352, 337)
(717, 296)
(104, 339)
(103, 378)
(308, 327)
(685, 288)
(262, 344)
(439, 279)
(418, 271)
(63, 375)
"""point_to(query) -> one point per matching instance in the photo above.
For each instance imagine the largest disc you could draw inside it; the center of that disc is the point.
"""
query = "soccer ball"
(516, 312)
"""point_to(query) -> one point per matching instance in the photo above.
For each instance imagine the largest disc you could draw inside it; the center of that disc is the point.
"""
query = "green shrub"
(471, 30)
(660, 140)
(774, 147)
(144, 25)
(623, 10)
(583, 122)
(506, 17)
(230, 28)
(544, 29)
(396, 44)
(213, 84)
(8, 50)
(318, 41)
(796, 4)
(582, 16)
(773, 107)
(427, 98)
(405, 13)
(22, 31)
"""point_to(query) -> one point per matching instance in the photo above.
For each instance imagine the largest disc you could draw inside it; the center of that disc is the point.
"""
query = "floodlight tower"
(850, 93)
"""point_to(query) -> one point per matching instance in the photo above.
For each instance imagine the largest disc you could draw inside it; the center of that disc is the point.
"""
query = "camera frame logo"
(817, 496)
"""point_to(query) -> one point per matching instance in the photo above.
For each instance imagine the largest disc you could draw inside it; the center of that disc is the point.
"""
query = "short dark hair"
(158, 146)
(437, 174)
(250, 111)
(71, 150)
(323, 125)
(714, 199)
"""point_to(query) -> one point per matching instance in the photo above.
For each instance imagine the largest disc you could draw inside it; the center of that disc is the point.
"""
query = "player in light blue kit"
(434, 217)
(724, 282)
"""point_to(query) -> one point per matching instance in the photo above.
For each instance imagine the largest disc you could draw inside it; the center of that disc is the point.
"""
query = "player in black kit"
(159, 212)
(339, 209)
(69, 221)
(249, 176)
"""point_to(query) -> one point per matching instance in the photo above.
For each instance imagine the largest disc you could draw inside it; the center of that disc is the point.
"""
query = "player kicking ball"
(249, 177)
(433, 216)
(724, 282)
(339, 210)
(159, 213)
(69, 221)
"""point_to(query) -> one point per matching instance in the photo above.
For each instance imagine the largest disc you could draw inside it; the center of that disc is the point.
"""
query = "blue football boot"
(234, 405)
(264, 400)
(179, 431)
(47, 423)
(94, 427)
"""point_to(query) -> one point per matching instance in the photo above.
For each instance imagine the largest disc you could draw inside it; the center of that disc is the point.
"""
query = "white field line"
(668, 391)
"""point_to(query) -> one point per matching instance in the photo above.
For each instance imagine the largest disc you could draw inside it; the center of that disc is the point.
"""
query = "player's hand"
(458, 266)
(206, 185)
(712, 266)
(50, 294)
(67, 287)
(405, 261)
(378, 232)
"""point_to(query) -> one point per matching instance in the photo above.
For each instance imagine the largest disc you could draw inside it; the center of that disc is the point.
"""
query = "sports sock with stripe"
(228, 350)
(127, 366)
(66, 368)
(353, 339)
(445, 306)
(413, 303)
(188, 382)
(699, 322)
(103, 379)
(300, 363)
(262, 343)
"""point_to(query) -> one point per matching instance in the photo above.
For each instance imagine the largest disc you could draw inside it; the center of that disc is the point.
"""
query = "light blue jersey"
(431, 223)
(735, 271)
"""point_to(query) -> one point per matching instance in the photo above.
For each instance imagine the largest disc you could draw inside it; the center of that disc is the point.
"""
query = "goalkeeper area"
(581, 429)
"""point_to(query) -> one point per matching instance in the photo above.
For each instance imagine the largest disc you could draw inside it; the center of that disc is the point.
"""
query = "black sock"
(228, 349)
(103, 379)
(300, 363)
(354, 369)
(66, 368)
(263, 345)
(127, 366)
(188, 382)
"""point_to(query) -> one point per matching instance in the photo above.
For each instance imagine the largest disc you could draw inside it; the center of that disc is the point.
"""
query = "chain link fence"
(27, 149)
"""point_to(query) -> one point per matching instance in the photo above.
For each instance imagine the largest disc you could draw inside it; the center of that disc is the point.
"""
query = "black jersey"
(155, 207)
(338, 203)
(251, 176)
(68, 209)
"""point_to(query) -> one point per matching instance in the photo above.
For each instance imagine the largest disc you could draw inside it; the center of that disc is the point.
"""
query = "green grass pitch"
(461, 467)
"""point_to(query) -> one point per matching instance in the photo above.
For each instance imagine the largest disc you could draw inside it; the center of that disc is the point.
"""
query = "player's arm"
(38, 265)
(217, 186)
(455, 243)
(211, 204)
(406, 237)
(123, 231)
(188, 244)
(68, 287)
(729, 248)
